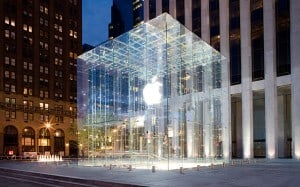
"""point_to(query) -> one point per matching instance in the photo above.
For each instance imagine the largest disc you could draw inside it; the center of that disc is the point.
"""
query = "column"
(172, 8)
(158, 7)
(295, 74)
(226, 103)
(205, 30)
(247, 102)
(188, 14)
(270, 80)
(146, 10)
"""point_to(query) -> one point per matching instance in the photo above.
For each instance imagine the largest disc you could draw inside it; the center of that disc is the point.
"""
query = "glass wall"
(140, 101)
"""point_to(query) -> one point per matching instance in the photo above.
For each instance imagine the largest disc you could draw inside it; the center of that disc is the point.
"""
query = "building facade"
(125, 15)
(40, 41)
(261, 41)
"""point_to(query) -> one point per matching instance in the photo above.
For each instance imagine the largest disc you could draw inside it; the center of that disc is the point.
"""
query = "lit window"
(6, 60)
(30, 91)
(25, 91)
(6, 21)
(75, 34)
(30, 66)
(7, 114)
(71, 33)
(13, 75)
(13, 62)
(13, 115)
(13, 88)
(6, 73)
(30, 28)
(30, 79)
(25, 65)
(46, 94)
(25, 27)
(25, 78)
(6, 33)
(46, 70)
(12, 22)
(46, 10)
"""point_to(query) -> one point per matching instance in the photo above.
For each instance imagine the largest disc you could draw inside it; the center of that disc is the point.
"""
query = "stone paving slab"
(263, 173)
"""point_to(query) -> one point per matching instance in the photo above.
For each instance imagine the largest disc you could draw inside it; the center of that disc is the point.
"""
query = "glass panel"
(151, 97)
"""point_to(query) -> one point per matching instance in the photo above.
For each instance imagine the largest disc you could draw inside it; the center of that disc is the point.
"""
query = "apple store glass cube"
(151, 97)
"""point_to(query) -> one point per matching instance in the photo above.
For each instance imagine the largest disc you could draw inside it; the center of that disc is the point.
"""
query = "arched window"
(59, 142)
(44, 140)
(10, 140)
(28, 139)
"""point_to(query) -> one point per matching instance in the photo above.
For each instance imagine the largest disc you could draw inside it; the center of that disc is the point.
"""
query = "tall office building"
(125, 15)
(40, 41)
(260, 40)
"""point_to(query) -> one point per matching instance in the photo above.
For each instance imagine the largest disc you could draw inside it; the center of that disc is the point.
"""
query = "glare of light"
(152, 92)
(140, 121)
(47, 125)
(297, 154)
(271, 154)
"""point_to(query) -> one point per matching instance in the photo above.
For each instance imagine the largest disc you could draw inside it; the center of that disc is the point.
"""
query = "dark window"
(196, 17)
(165, 6)
(235, 42)
(180, 11)
(283, 37)
(152, 9)
(257, 39)
(214, 24)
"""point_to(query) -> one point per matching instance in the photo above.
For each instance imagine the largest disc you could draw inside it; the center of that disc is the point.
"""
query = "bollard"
(254, 161)
(110, 166)
(232, 163)
(181, 170)
(212, 165)
(153, 169)
(241, 162)
(223, 164)
(130, 168)
(198, 167)
(248, 161)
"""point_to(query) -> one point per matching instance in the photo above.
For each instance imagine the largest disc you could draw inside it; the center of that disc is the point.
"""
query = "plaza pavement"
(279, 172)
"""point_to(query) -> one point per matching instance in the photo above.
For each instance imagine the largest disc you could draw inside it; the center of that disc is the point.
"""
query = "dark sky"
(95, 20)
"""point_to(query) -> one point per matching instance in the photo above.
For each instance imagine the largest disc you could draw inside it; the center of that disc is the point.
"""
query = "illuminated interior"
(151, 97)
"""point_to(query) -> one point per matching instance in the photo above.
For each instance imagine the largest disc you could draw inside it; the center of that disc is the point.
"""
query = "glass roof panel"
(159, 45)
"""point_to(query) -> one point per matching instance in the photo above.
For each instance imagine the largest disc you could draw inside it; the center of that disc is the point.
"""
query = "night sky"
(95, 20)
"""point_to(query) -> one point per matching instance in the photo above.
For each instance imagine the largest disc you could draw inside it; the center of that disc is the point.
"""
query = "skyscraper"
(40, 41)
(260, 40)
(125, 15)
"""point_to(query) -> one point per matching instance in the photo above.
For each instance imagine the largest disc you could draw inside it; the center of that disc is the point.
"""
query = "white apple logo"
(152, 92)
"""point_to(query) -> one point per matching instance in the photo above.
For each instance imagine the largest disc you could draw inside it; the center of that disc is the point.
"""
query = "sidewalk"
(263, 173)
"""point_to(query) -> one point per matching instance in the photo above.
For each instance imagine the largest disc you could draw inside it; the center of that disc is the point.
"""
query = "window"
(6, 33)
(6, 20)
(6, 73)
(12, 88)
